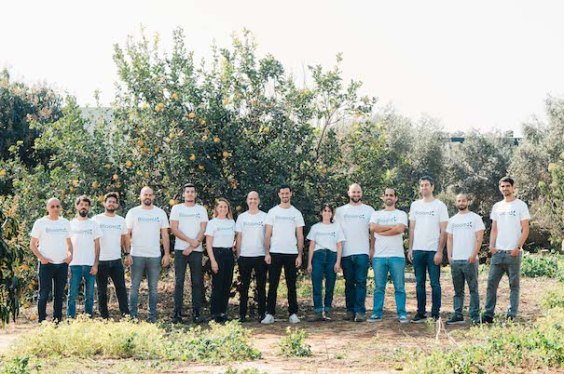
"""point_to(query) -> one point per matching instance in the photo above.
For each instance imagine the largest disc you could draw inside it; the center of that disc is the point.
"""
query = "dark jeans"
(503, 263)
(221, 281)
(49, 275)
(355, 271)
(194, 261)
(288, 262)
(423, 262)
(151, 266)
(323, 266)
(246, 267)
(111, 269)
(465, 272)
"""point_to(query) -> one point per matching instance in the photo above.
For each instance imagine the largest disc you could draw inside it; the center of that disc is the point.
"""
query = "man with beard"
(51, 244)
(428, 219)
(85, 237)
(354, 219)
(188, 224)
(284, 245)
(465, 232)
(510, 229)
(388, 226)
(147, 225)
(114, 238)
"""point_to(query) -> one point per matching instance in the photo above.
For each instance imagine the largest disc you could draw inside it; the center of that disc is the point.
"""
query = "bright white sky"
(478, 64)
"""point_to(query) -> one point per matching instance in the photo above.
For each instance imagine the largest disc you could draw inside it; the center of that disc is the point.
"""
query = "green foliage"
(293, 344)
(17, 365)
(11, 256)
(534, 266)
(553, 299)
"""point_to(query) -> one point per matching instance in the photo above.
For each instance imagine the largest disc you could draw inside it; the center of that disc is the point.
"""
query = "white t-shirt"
(391, 245)
(463, 228)
(146, 225)
(52, 237)
(354, 220)
(326, 236)
(112, 229)
(284, 222)
(252, 228)
(83, 234)
(189, 220)
(508, 217)
(222, 231)
(428, 216)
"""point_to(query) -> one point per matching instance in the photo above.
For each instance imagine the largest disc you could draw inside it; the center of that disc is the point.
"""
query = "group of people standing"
(348, 238)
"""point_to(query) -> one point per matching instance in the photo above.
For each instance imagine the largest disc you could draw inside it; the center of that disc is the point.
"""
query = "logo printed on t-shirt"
(82, 231)
(355, 216)
(424, 213)
(387, 221)
(148, 219)
(105, 226)
(285, 218)
(224, 228)
(332, 233)
(253, 223)
(512, 213)
(465, 225)
(56, 230)
(190, 215)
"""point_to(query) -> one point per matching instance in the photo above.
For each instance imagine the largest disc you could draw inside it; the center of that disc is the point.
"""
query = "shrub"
(293, 344)
(539, 266)
(17, 365)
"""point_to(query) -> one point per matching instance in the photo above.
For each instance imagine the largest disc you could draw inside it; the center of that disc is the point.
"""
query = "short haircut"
(427, 178)
(284, 186)
(110, 195)
(393, 189)
(81, 198)
(507, 180)
(189, 185)
(327, 205)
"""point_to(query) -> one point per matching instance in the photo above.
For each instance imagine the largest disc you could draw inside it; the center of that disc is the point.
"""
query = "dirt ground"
(338, 346)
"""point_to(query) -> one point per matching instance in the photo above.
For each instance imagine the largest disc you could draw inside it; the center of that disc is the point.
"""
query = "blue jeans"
(423, 263)
(503, 263)
(463, 271)
(355, 271)
(396, 267)
(152, 266)
(78, 272)
(323, 265)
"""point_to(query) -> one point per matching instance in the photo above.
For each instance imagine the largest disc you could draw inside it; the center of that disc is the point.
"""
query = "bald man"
(250, 229)
(51, 244)
(147, 225)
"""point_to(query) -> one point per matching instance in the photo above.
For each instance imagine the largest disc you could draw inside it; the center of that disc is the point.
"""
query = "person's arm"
(238, 238)
(300, 237)
(94, 269)
(442, 239)
(381, 229)
(394, 230)
(523, 238)
(479, 238)
(411, 236)
(126, 245)
(310, 256)
(209, 248)
(69, 251)
(337, 266)
(371, 249)
(34, 246)
(493, 237)
(267, 237)
(166, 246)
(179, 234)
(449, 247)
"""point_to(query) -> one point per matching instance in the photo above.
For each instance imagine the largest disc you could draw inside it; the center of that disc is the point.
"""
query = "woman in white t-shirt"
(220, 237)
(324, 261)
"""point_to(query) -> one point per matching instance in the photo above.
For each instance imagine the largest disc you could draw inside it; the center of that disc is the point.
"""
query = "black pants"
(111, 269)
(221, 281)
(194, 261)
(49, 275)
(246, 267)
(288, 262)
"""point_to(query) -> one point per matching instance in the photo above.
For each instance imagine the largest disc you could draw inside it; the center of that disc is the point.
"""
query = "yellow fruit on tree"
(172, 202)
(115, 177)
(95, 184)
(192, 157)
(201, 167)
(140, 143)
(174, 96)
(3, 173)
(191, 115)
(108, 166)
(226, 154)
(128, 163)
(216, 139)
(75, 182)
(159, 108)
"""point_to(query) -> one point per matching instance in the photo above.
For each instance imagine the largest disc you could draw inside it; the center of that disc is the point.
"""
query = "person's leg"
(348, 274)
(104, 271)
(197, 281)
(397, 271)
(514, 272)
(330, 278)
(46, 275)
(76, 277)
(471, 275)
(435, 279)
(117, 273)
(260, 274)
(180, 262)
(60, 282)
(89, 281)
(457, 271)
(153, 274)
(494, 277)
(317, 263)
(380, 266)
(420, 268)
(228, 264)
(245, 272)
(274, 272)
(361, 273)
(291, 275)
(137, 270)
(217, 285)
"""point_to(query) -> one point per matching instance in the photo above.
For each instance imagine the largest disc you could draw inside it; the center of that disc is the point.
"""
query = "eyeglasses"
(55, 206)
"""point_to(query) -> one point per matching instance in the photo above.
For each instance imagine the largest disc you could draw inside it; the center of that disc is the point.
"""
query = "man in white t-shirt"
(114, 238)
(147, 226)
(428, 219)
(284, 245)
(465, 232)
(85, 238)
(250, 229)
(354, 219)
(388, 226)
(510, 229)
(188, 224)
(51, 244)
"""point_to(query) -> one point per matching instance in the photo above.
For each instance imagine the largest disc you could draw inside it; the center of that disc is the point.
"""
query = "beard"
(462, 207)
(355, 199)
(110, 210)
(83, 213)
(147, 202)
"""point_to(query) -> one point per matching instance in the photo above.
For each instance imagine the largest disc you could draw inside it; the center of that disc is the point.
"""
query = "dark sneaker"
(436, 318)
(243, 319)
(327, 316)
(349, 316)
(487, 319)
(509, 318)
(317, 317)
(177, 319)
(456, 320)
(359, 317)
(419, 318)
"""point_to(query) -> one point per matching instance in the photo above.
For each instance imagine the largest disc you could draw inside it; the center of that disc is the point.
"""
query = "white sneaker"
(294, 319)
(268, 319)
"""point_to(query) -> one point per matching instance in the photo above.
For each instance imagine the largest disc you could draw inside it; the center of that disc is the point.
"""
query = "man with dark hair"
(114, 239)
(428, 219)
(510, 229)
(284, 244)
(51, 244)
(188, 224)
(85, 237)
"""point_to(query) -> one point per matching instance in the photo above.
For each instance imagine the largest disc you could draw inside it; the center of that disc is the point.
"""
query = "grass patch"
(293, 344)
(534, 266)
